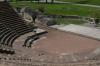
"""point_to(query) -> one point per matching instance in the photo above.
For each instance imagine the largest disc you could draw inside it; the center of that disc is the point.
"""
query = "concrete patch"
(82, 30)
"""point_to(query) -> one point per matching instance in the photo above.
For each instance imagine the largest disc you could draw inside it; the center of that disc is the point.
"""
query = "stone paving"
(82, 30)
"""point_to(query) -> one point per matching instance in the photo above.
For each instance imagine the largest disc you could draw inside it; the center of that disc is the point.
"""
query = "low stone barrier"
(64, 16)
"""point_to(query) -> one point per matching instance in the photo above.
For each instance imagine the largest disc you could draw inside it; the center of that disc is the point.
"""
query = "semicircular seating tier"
(11, 26)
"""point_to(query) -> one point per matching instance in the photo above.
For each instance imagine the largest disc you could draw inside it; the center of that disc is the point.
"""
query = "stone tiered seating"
(36, 36)
(11, 27)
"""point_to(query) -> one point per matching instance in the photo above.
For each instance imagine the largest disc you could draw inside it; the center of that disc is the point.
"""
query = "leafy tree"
(46, 1)
(52, 1)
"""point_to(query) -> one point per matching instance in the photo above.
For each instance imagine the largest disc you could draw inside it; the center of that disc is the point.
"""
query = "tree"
(46, 1)
(52, 1)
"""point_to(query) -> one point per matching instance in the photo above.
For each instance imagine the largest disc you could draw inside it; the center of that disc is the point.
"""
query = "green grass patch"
(60, 9)
(94, 2)
(73, 1)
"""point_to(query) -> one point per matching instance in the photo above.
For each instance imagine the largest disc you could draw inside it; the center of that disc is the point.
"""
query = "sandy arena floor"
(59, 42)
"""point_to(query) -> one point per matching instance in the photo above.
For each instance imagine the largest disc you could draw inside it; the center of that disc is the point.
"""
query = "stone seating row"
(12, 26)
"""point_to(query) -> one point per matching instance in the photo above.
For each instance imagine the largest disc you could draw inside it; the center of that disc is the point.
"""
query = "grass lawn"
(69, 21)
(74, 1)
(60, 9)
(94, 2)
